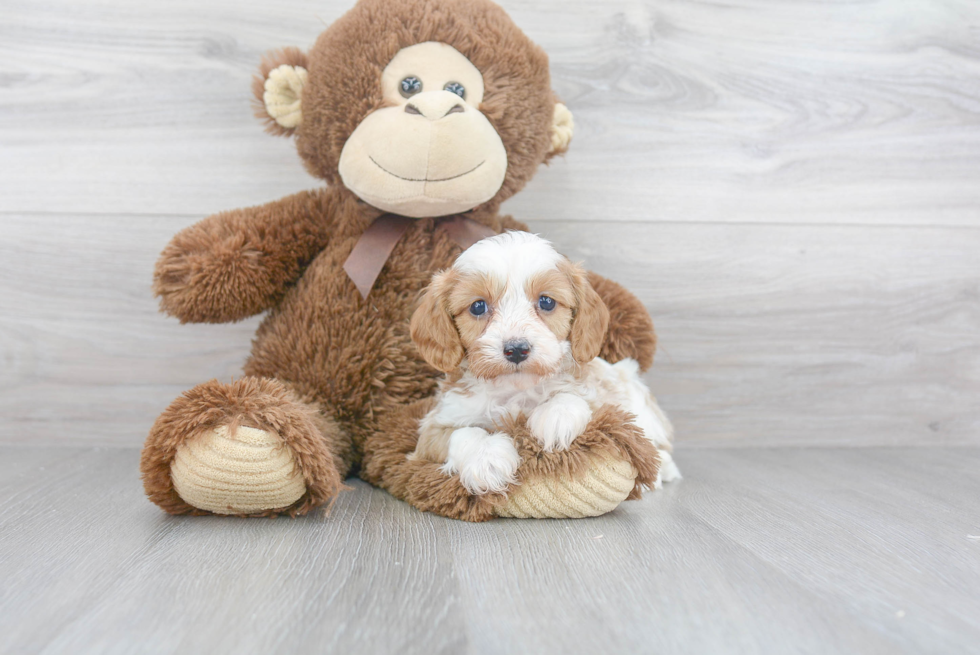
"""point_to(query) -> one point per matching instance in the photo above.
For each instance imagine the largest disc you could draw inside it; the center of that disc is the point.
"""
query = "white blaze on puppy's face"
(510, 273)
(511, 305)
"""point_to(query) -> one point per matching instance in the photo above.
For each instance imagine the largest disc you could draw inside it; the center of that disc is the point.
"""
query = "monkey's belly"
(352, 356)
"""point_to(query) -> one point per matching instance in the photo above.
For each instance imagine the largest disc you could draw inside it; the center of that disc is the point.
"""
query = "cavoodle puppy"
(517, 328)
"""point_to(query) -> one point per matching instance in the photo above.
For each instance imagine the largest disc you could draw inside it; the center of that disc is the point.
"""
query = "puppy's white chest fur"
(558, 407)
(490, 402)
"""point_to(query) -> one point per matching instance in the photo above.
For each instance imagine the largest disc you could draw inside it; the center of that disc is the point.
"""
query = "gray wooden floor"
(870, 550)
(790, 187)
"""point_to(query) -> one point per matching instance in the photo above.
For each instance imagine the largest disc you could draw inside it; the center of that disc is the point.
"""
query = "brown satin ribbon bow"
(372, 250)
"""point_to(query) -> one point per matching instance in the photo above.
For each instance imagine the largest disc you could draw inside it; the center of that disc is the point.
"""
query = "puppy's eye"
(478, 308)
(546, 303)
(410, 86)
(457, 88)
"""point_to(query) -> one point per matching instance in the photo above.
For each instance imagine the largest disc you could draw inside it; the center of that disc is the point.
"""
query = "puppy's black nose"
(517, 351)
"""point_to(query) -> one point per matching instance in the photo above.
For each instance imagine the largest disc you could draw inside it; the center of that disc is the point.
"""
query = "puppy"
(518, 328)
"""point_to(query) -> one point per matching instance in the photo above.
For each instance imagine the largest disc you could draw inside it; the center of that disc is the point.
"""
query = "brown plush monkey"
(422, 116)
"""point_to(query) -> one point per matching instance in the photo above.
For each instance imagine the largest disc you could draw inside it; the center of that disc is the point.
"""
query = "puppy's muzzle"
(517, 351)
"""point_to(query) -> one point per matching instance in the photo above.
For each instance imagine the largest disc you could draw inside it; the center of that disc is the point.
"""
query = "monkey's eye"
(410, 86)
(478, 308)
(546, 303)
(457, 88)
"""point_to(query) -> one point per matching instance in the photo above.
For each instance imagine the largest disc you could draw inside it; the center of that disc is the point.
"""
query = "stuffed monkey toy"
(422, 117)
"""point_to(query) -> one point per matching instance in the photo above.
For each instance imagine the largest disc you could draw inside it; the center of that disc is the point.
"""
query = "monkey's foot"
(611, 461)
(246, 448)
(599, 489)
(240, 471)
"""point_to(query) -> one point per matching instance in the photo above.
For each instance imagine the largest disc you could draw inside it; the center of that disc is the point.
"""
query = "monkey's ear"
(432, 327)
(278, 90)
(591, 319)
(562, 127)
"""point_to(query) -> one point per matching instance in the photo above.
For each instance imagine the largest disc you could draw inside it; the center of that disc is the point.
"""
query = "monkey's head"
(419, 107)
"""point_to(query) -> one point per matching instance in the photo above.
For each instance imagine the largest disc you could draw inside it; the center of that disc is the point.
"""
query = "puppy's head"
(511, 305)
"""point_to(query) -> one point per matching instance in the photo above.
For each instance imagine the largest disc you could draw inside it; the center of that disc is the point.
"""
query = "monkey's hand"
(236, 264)
(631, 331)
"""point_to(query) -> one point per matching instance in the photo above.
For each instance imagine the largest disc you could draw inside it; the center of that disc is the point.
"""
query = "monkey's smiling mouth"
(425, 179)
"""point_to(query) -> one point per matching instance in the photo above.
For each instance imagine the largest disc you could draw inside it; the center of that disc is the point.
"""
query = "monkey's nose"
(517, 351)
(434, 105)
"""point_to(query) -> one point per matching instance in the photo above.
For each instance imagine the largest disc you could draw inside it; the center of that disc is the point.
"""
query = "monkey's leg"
(252, 447)
(608, 463)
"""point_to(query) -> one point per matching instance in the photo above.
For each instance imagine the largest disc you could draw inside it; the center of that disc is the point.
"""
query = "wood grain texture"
(803, 335)
(789, 188)
(740, 111)
(770, 335)
(756, 551)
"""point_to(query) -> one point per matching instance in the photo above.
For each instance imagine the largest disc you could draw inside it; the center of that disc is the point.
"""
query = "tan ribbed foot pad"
(250, 472)
(601, 489)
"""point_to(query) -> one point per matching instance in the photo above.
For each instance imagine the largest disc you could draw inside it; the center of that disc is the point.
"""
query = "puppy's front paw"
(485, 462)
(557, 422)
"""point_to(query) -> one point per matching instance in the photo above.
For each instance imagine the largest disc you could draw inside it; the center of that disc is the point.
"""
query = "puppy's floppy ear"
(433, 329)
(278, 90)
(591, 317)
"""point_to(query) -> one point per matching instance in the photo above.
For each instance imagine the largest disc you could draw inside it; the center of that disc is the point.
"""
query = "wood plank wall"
(792, 188)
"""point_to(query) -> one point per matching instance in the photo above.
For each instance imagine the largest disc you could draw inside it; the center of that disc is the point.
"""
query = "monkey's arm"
(238, 263)
(630, 326)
